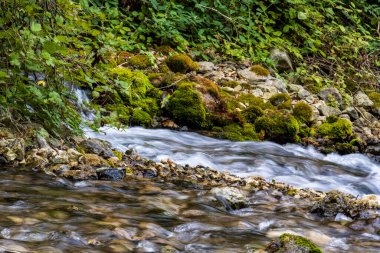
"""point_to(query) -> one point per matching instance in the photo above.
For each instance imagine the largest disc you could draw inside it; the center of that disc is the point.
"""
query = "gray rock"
(361, 99)
(274, 82)
(374, 150)
(110, 174)
(345, 116)
(282, 60)
(331, 95)
(251, 76)
(97, 147)
(232, 198)
(215, 75)
(311, 99)
(205, 66)
(257, 92)
(326, 110)
(351, 112)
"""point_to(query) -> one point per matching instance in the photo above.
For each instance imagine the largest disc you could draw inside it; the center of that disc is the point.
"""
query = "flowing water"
(292, 164)
(44, 214)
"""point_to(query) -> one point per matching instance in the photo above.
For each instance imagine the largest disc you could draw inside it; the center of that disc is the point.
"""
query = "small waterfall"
(82, 102)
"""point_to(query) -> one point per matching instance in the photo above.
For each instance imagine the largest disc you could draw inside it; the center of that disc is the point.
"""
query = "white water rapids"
(291, 164)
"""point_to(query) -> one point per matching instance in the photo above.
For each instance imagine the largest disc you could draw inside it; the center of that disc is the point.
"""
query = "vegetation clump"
(165, 50)
(181, 63)
(303, 112)
(236, 132)
(281, 100)
(251, 113)
(339, 129)
(260, 70)
(140, 61)
(278, 126)
(295, 243)
(141, 118)
(186, 107)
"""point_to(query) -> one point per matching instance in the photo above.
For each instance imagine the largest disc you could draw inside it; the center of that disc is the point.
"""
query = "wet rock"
(93, 160)
(373, 150)
(12, 149)
(326, 110)
(205, 66)
(362, 100)
(110, 174)
(42, 143)
(231, 197)
(338, 203)
(6, 133)
(61, 157)
(97, 147)
(82, 172)
(289, 243)
(331, 95)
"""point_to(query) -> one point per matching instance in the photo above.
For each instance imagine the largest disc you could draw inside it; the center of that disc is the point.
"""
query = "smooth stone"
(361, 99)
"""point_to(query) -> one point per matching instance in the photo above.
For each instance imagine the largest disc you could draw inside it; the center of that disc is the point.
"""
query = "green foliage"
(303, 112)
(181, 63)
(260, 70)
(278, 126)
(186, 107)
(337, 130)
(309, 246)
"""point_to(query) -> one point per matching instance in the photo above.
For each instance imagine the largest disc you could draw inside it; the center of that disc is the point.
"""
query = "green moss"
(140, 61)
(303, 112)
(252, 113)
(375, 98)
(207, 86)
(118, 154)
(338, 130)
(281, 100)
(149, 105)
(300, 241)
(141, 118)
(344, 148)
(246, 100)
(181, 63)
(236, 132)
(185, 106)
(356, 142)
(130, 84)
(260, 70)
(278, 126)
(231, 84)
(332, 119)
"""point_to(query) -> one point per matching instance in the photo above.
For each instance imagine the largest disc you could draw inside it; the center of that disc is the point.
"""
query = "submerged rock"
(289, 243)
(110, 174)
(231, 197)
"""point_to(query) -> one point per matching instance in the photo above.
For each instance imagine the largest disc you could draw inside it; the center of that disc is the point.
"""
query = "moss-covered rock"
(345, 148)
(303, 112)
(130, 84)
(281, 100)
(236, 132)
(181, 63)
(336, 130)
(293, 243)
(141, 118)
(244, 101)
(185, 106)
(140, 61)
(278, 126)
(252, 113)
(375, 98)
(260, 70)
(123, 112)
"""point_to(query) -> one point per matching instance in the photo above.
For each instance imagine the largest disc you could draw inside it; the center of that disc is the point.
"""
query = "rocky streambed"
(95, 198)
